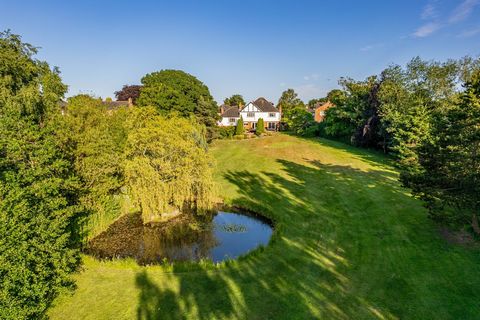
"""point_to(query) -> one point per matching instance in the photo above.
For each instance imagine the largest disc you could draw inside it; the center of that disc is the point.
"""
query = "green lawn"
(350, 243)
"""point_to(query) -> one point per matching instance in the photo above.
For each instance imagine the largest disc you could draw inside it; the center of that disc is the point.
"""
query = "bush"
(311, 131)
(225, 132)
(239, 130)
(260, 127)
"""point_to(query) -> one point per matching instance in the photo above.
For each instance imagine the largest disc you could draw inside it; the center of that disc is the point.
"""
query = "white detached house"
(260, 108)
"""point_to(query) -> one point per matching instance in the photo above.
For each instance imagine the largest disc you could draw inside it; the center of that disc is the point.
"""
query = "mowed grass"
(350, 243)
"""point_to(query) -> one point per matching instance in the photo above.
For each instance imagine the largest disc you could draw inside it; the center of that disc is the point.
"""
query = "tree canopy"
(128, 92)
(290, 105)
(167, 166)
(448, 178)
(234, 100)
(38, 187)
(177, 92)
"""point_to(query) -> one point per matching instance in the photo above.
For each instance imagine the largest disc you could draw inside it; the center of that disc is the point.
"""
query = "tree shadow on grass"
(202, 293)
(369, 155)
(343, 248)
(327, 213)
(155, 303)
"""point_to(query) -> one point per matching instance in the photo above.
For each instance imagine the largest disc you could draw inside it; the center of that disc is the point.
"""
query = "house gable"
(250, 107)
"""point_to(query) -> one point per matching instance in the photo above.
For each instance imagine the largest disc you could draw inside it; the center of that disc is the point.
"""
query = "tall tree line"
(424, 115)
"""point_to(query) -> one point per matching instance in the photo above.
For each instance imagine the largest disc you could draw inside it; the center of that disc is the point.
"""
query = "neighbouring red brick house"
(319, 109)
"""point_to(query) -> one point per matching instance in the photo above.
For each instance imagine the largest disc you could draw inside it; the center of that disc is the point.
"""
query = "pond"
(226, 235)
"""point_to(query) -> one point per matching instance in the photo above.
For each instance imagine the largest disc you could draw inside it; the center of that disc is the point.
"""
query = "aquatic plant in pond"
(233, 228)
(225, 235)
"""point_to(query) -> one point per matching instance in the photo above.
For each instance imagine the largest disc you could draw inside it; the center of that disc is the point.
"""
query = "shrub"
(226, 132)
(260, 127)
(239, 130)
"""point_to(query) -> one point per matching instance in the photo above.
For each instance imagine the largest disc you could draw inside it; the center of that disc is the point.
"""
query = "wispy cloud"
(312, 76)
(309, 91)
(367, 48)
(469, 33)
(426, 30)
(463, 11)
(429, 11)
(371, 47)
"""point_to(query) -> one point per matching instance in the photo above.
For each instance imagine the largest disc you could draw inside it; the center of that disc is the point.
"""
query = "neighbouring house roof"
(320, 105)
(115, 104)
(231, 112)
(264, 105)
(323, 105)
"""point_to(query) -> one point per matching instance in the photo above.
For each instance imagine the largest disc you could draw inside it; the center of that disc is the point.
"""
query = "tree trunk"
(475, 226)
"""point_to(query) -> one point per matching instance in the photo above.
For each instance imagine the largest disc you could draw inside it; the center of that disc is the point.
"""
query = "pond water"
(226, 235)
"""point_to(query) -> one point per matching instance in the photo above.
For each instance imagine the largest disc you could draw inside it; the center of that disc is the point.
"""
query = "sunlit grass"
(349, 243)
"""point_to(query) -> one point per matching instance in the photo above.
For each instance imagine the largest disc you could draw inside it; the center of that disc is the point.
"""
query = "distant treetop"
(128, 92)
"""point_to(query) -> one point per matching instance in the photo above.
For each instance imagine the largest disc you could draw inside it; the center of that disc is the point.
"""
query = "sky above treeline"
(254, 48)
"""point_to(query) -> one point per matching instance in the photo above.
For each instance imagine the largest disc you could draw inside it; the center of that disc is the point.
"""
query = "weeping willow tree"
(167, 166)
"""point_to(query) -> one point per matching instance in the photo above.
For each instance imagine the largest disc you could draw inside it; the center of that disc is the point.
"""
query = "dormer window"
(271, 115)
(250, 114)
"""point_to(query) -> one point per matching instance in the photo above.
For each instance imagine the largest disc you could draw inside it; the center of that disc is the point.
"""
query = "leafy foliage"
(167, 166)
(234, 100)
(226, 132)
(289, 103)
(97, 139)
(300, 121)
(312, 102)
(420, 115)
(260, 127)
(38, 189)
(393, 111)
(449, 175)
(128, 92)
(239, 129)
(177, 92)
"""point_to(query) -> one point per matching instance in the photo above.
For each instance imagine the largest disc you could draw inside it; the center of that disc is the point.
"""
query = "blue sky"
(255, 48)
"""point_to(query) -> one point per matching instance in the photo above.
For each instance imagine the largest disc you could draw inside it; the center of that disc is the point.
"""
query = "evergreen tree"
(260, 127)
(448, 178)
(239, 130)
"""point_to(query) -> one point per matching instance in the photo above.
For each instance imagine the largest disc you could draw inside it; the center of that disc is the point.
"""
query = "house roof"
(115, 104)
(323, 106)
(265, 106)
(231, 112)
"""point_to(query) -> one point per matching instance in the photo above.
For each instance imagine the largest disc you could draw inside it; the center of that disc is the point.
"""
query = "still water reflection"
(225, 235)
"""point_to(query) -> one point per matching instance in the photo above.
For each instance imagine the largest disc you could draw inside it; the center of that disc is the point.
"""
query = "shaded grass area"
(350, 243)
